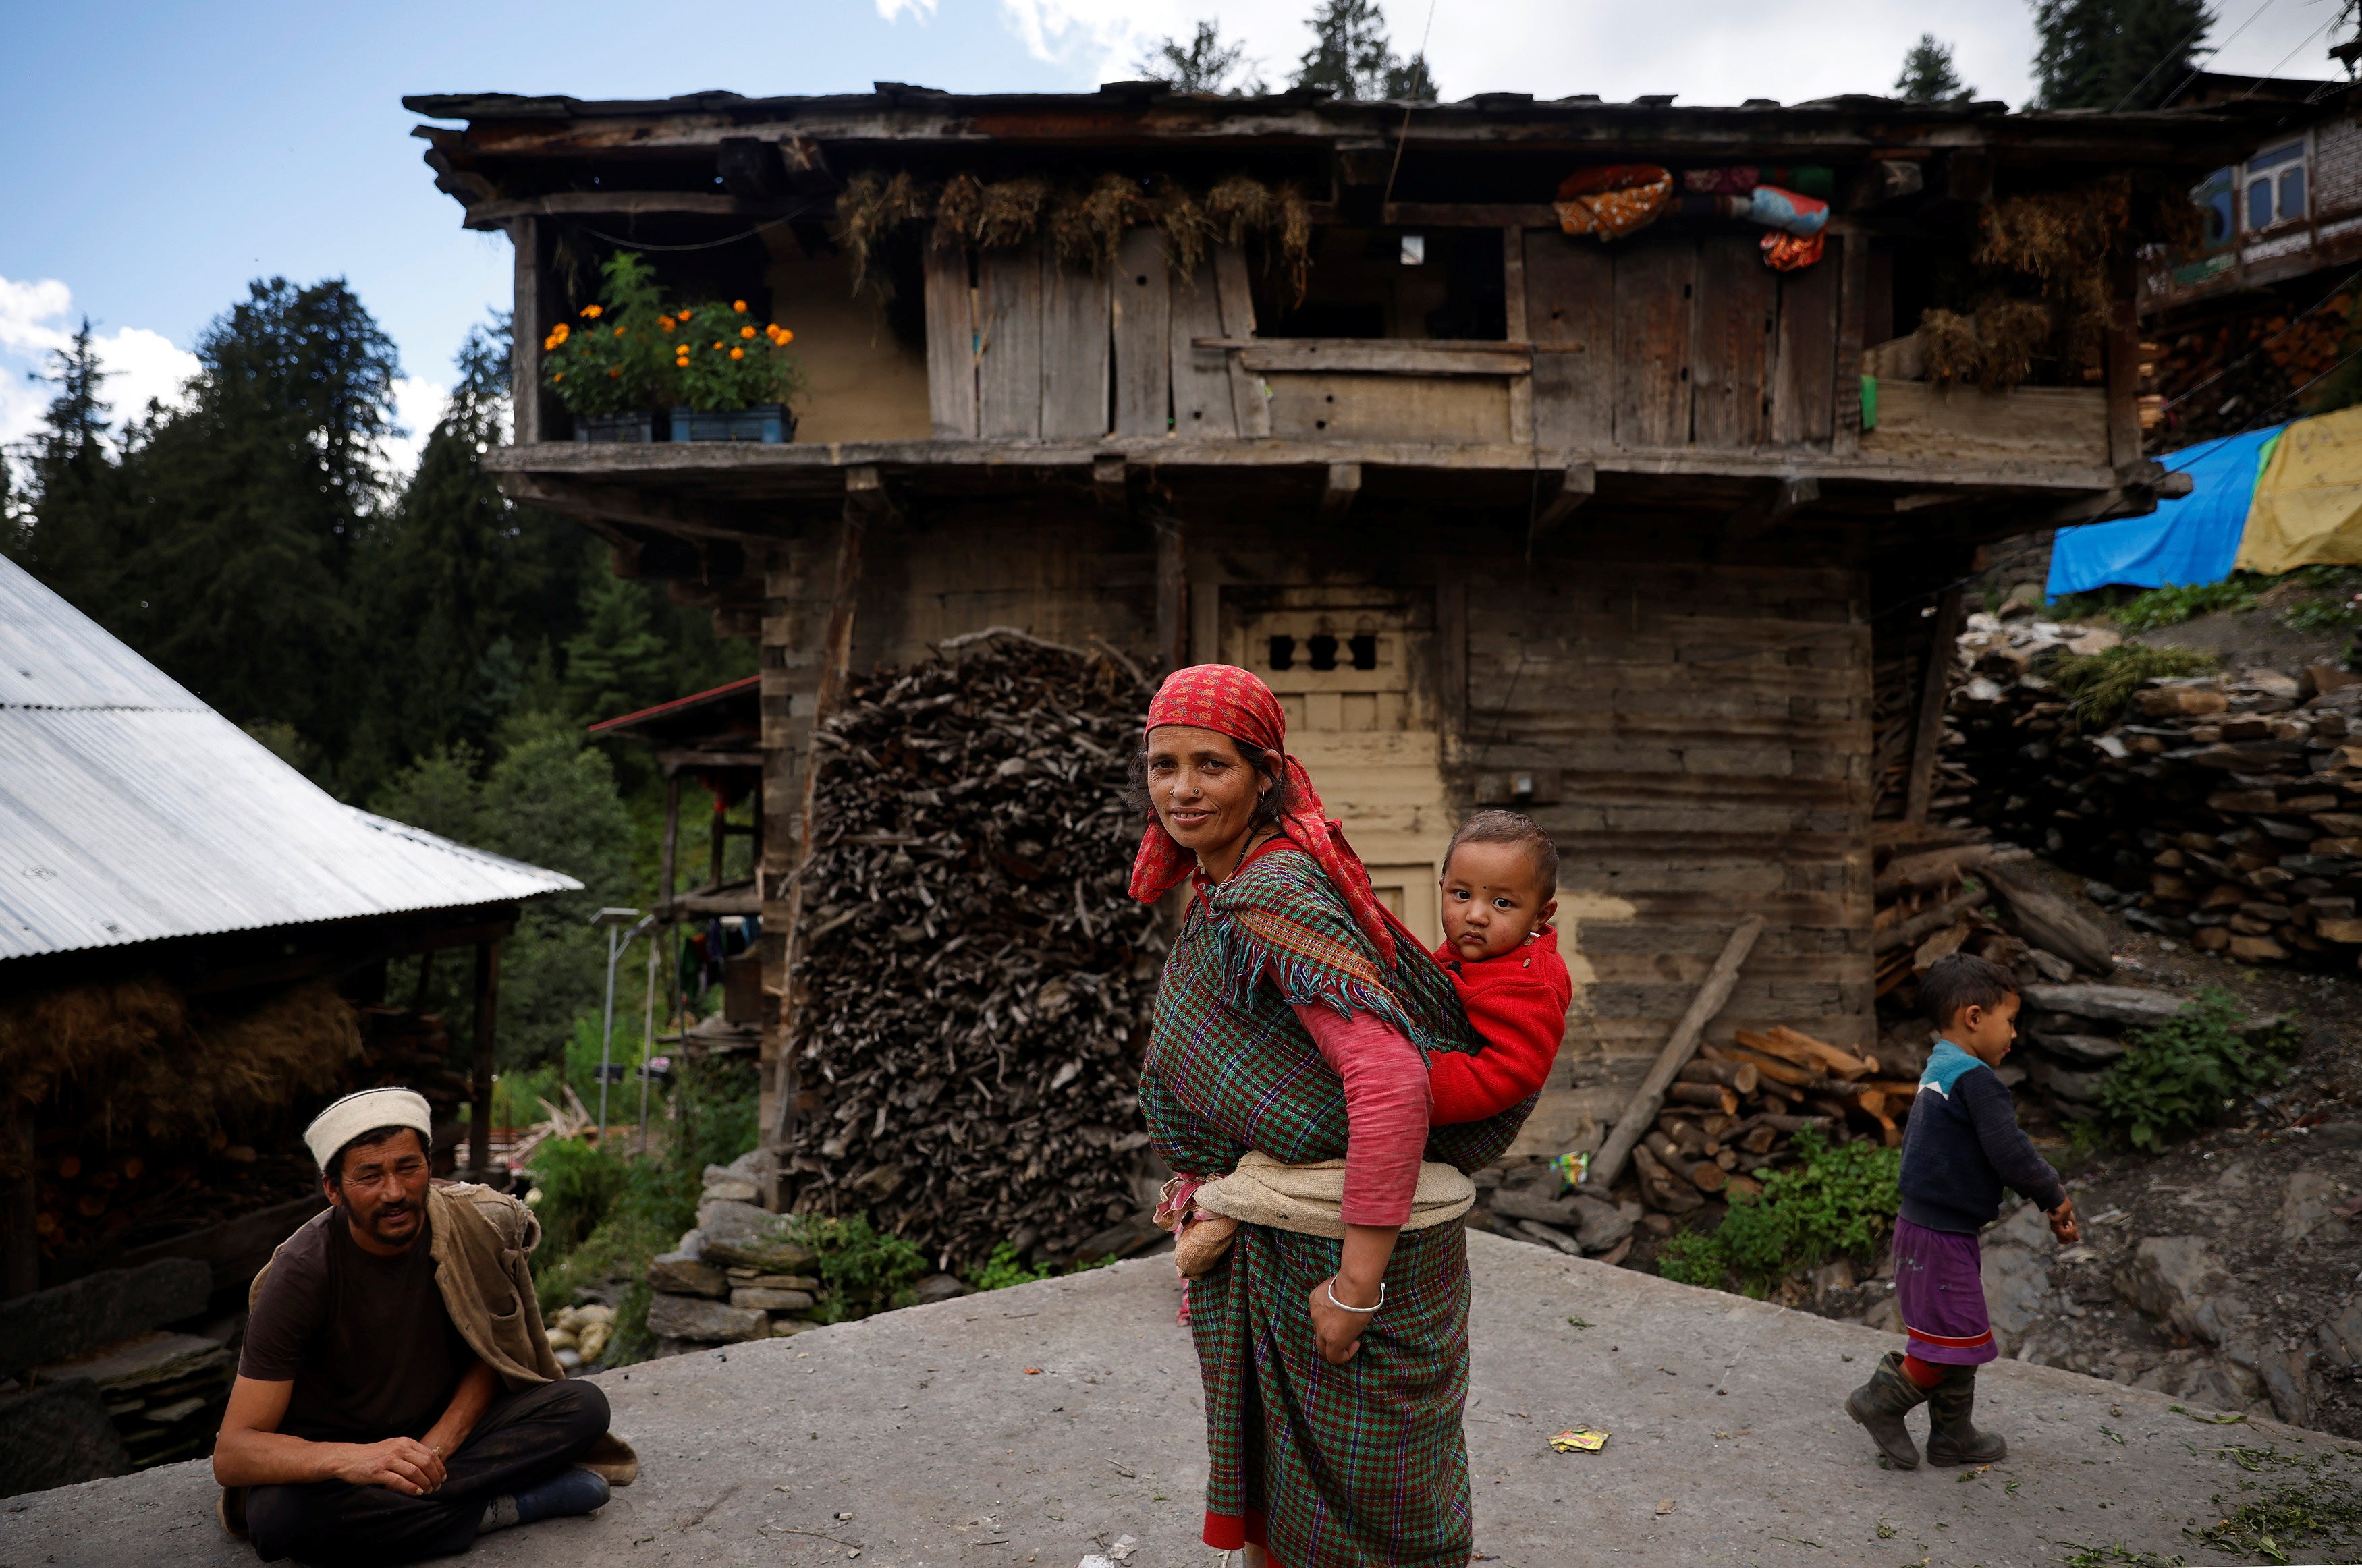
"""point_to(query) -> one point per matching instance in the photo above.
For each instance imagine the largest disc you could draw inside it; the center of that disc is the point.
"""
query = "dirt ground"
(2253, 636)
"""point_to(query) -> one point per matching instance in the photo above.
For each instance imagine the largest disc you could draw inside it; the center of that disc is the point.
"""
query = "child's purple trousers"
(1940, 1289)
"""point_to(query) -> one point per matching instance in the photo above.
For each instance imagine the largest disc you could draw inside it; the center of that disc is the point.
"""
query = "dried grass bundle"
(1187, 230)
(1087, 229)
(2010, 333)
(869, 208)
(1009, 212)
(142, 1063)
(1238, 205)
(958, 210)
(2057, 234)
(1954, 354)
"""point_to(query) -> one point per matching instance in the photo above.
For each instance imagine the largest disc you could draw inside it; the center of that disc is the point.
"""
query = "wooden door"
(1353, 668)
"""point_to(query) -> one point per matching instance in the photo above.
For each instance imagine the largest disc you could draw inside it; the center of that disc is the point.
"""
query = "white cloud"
(895, 10)
(417, 405)
(36, 320)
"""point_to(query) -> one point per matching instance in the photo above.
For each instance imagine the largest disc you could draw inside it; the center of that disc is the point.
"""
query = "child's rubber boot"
(1880, 1406)
(1952, 1437)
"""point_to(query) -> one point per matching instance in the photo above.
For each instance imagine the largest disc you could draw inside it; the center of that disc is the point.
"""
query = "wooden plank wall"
(1668, 340)
(1711, 731)
(1037, 350)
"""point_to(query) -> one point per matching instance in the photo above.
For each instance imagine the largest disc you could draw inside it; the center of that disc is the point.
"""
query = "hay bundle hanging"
(1953, 352)
(1010, 212)
(978, 977)
(137, 1061)
(872, 206)
(1187, 228)
(957, 211)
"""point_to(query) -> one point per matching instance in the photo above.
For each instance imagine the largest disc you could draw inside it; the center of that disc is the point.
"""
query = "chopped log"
(1739, 1076)
(1713, 993)
(1929, 869)
(1788, 1074)
(1832, 1061)
(1781, 1124)
(2049, 922)
(1703, 1175)
(1709, 1095)
(1758, 1139)
(1660, 1189)
(1918, 928)
(1742, 1187)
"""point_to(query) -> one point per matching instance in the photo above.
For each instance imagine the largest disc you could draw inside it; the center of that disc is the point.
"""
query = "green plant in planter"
(718, 360)
(608, 359)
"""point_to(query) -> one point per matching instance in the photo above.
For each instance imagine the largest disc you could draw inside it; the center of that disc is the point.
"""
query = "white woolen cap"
(359, 1113)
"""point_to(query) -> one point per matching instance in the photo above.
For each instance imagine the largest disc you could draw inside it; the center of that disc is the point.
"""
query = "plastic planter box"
(596, 428)
(768, 421)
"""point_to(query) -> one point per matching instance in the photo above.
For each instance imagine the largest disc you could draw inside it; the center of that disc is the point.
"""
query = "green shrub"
(1005, 1268)
(2145, 609)
(862, 1269)
(1839, 1202)
(2185, 1072)
(2102, 685)
(578, 1183)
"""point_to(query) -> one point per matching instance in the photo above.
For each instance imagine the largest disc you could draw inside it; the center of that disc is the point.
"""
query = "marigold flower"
(619, 331)
(718, 345)
(616, 371)
(561, 332)
(738, 305)
(786, 336)
(559, 376)
(737, 353)
(592, 311)
(665, 322)
(683, 314)
(745, 332)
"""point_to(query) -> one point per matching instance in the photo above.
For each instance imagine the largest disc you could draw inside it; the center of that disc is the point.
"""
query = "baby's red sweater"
(1517, 1004)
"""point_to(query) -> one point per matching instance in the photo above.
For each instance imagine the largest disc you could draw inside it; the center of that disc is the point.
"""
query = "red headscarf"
(1235, 702)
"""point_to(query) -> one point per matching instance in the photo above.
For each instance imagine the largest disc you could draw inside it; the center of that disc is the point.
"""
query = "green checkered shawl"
(1363, 1463)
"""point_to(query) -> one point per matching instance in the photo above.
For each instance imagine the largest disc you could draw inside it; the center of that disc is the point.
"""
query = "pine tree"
(1204, 64)
(1929, 76)
(1351, 56)
(63, 528)
(2112, 54)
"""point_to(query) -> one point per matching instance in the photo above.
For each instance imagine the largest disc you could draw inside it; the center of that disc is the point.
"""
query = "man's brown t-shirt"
(366, 1339)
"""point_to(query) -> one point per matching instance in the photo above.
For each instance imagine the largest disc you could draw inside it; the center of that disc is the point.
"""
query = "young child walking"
(1962, 1147)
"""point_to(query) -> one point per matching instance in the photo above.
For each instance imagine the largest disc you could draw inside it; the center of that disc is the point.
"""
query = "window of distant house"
(2215, 201)
(2274, 183)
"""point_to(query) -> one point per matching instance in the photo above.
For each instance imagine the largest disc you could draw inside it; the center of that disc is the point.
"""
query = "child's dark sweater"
(1964, 1145)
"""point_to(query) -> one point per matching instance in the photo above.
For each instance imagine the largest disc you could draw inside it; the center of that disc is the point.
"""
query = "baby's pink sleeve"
(1385, 1111)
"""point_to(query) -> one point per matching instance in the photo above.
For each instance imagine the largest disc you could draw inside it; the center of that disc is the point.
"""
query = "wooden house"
(1644, 535)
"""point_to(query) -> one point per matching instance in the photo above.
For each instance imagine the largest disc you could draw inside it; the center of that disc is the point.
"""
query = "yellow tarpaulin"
(2308, 505)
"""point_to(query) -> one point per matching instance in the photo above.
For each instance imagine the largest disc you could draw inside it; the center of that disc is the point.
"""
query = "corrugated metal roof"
(131, 812)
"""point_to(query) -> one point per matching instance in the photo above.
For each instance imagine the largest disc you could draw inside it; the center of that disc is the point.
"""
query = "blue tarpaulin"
(2185, 543)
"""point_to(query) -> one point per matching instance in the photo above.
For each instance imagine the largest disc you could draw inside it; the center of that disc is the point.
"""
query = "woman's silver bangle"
(1340, 1307)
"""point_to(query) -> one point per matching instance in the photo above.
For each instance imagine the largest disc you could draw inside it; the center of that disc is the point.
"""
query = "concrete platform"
(933, 1430)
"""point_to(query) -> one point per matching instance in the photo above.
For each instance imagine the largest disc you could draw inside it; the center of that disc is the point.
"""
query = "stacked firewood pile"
(2225, 811)
(978, 977)
(413, 1050)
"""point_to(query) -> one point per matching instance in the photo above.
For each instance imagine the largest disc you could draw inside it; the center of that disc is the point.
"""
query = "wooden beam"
(1108, 473)
(1513, 283)
(673, 759)
(1783, 499)
(2123, 357)
(608, 502)
(1172, 592)
(638, 204)
(835, 663)
(532, 313)
(1934, 685)
(488, 998)
(810, 471)
(1347, 356)
(867, 500)
(1339, 489)
(1853, 315)
(1713, 993)
(1515, 215)
(1565, 494)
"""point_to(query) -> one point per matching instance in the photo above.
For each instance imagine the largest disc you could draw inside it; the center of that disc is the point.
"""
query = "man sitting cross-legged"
(396, 1395)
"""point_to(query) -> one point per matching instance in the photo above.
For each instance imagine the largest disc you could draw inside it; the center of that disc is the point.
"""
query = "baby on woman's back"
(1500, 889)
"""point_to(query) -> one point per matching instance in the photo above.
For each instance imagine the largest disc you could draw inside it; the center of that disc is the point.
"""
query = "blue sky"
(154, 158)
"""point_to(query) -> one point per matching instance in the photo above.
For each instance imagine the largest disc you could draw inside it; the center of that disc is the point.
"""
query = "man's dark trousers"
(523, 1438)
